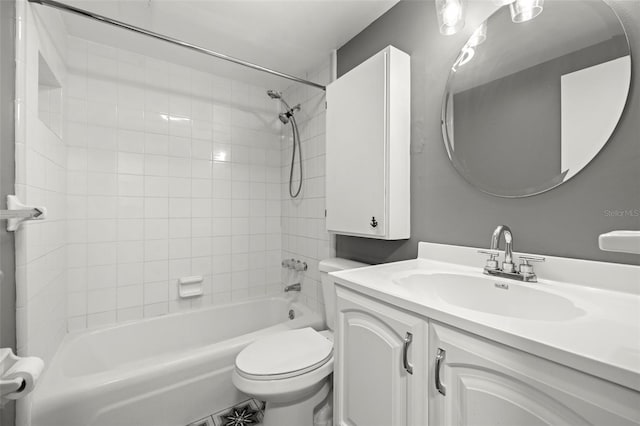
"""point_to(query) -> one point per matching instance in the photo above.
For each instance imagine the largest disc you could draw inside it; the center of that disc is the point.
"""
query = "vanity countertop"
(604, 340)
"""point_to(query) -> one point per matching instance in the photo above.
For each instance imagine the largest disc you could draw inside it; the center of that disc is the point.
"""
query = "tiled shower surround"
(304, 234)
(41, 277)
(152, 171)
(171, 172)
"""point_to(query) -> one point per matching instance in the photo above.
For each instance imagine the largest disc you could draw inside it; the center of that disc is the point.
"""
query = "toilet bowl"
(292, 370)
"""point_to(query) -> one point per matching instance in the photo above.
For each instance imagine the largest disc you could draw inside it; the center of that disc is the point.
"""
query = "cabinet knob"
(374, 222)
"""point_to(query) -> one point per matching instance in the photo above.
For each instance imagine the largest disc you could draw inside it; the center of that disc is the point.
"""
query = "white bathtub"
(169, 370)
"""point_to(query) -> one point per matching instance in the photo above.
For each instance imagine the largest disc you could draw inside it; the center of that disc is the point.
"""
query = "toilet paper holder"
(12, 387)
(7, 359)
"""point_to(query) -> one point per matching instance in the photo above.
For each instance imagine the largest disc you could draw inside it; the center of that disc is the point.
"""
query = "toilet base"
(299, 412)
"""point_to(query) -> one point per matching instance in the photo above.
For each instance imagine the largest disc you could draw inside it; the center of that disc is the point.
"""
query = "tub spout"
(293, 287)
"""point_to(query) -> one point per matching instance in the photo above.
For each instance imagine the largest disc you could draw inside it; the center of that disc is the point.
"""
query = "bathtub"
(169, 370)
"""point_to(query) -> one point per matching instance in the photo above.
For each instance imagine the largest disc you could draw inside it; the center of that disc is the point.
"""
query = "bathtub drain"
(292, 314)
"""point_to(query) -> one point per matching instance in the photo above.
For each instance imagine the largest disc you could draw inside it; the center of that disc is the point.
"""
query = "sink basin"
(492, 296)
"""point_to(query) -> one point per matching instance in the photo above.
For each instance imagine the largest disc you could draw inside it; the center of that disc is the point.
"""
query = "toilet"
(291, 370)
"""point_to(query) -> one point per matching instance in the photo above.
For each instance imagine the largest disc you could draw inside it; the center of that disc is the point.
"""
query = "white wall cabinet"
(486, 383)
(373, 386)
(368, 138)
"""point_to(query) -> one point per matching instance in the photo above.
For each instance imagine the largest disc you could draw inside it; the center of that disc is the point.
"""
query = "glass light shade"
(479, 36)
(525, 10)
(450, 16)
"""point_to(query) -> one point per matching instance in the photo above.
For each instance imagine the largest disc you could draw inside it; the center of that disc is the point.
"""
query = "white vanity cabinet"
(457, 378)
(367, 154)
(498, 351)
(481, 382)
(380, 364)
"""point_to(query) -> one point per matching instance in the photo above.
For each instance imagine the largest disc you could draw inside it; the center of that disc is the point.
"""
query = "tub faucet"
(507, 265)
(293, 287)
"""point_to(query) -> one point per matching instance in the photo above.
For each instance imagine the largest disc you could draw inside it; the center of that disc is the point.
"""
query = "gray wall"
(565, 221)
(7, 261)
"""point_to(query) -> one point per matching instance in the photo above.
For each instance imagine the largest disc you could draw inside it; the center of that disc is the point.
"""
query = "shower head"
(284, 117)
(273, 94)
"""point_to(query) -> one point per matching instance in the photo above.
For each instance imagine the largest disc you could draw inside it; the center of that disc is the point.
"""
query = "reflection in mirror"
(528, 105)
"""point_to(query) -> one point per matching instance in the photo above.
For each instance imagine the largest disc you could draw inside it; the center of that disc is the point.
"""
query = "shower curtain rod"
(133, 28)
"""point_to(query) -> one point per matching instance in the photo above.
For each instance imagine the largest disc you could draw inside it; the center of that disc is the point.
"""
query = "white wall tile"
(41, 176)
(101, 300)
(304, 235)
(130, 163)
(130, 273)
(166, 172)
(130, 297)
(156, 292)
(101, 319)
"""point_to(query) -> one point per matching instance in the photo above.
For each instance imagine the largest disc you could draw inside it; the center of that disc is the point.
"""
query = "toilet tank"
(328, 286)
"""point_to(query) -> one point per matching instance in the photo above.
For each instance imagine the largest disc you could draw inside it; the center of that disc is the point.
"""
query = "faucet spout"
(523, 273)
(508, 244)
(293, 287)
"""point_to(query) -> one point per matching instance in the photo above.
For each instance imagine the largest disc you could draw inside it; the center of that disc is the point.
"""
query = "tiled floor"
(246, 413)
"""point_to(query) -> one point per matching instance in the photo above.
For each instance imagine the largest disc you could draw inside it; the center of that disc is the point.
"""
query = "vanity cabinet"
(367, 154)
(480, 382)
(457, 378)
(380, 364)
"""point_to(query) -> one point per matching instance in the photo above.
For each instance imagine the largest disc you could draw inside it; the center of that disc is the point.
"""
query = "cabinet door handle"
(439, 360)
(405, 362)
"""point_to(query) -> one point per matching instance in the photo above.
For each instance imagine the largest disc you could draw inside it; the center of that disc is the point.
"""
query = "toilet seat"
(284, 355)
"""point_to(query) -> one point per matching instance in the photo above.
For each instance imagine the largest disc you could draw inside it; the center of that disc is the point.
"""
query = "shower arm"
(175, 41)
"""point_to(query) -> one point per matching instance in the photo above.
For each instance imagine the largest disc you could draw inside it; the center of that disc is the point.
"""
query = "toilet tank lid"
(338, 264)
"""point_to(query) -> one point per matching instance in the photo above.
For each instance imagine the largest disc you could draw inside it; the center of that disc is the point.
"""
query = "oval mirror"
(529, 104)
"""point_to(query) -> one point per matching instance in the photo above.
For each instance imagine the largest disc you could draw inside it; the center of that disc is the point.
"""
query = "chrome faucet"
(293, 287)
(507, 265)
(508, 270)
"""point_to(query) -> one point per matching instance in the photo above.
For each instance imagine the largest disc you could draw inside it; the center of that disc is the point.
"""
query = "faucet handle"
(492, 253)
(530, 258)
(492, 263)
(300, 266)
(525, 268)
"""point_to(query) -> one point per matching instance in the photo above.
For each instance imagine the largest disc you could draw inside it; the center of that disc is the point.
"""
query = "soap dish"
(190, 286)
(621, 241)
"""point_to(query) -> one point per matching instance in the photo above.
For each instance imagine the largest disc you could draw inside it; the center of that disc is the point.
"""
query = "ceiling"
(292, 36)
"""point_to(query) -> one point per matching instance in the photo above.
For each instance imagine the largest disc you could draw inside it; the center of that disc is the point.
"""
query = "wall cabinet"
(380, 369)
(368, 137)
(464, 380)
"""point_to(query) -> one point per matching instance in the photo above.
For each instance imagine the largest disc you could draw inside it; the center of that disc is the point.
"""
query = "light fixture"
(479, 36)
(525, 10)
(450, 16)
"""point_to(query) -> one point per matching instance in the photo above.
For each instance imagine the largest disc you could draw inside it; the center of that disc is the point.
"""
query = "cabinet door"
(372, 387)
(356, 150)
(485, 383)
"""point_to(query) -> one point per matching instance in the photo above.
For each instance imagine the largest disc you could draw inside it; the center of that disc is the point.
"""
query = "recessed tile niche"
(49, 97)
